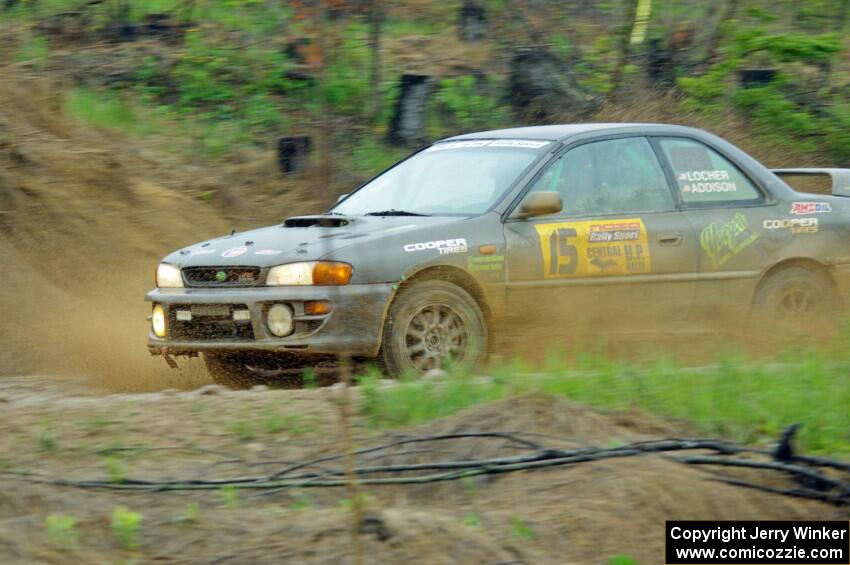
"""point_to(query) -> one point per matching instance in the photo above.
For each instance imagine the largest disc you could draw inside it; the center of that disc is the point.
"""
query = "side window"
(705, 176)
(609, 177)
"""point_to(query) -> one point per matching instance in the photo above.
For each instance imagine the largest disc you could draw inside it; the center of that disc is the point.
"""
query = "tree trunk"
(325, 177)
(625, 48)
(376, 19)
(841, 20)
(717, 35)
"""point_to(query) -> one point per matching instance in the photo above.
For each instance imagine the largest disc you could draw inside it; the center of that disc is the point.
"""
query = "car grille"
(222, 276)
(210, 322)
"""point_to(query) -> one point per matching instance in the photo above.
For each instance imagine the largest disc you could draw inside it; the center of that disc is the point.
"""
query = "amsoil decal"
(444, 246)
(706, 181)
(794, 225)
(803, 208)
(721, 242)
(594, 248)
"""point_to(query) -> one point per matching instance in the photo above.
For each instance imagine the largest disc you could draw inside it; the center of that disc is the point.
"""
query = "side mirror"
(341, 196)
(540, 204)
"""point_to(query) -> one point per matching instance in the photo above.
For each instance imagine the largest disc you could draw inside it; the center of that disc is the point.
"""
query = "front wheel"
(430, 325)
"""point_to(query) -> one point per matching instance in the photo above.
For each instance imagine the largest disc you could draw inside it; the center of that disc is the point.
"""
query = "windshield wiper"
(394, 212)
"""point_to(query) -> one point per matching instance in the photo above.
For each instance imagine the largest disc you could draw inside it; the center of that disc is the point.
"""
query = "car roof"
(563, 131)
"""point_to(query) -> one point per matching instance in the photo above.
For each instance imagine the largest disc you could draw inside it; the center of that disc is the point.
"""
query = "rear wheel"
(797, 298)
(430, 325)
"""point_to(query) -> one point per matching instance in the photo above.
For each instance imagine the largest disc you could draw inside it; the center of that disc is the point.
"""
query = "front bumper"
(353, 326)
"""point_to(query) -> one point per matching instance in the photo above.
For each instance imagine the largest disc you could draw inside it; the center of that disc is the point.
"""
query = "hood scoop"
(319, 220)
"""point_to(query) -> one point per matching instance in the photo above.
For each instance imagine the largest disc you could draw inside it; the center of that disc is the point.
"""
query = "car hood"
(302, 238)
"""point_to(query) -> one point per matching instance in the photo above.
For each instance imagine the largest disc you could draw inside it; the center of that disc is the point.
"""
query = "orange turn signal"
(331, 273)
(317, 307)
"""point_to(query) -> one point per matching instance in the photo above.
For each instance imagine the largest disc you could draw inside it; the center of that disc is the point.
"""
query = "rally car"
(567, 226)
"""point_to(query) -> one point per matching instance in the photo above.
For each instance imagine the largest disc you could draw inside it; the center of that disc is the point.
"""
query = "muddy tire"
(432, 324)
(245, 370)
(795, 298)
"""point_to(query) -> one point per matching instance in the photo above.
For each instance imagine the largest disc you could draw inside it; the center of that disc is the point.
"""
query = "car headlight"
(279, 320)
(168, 276)
(158, 321)
(310, 273)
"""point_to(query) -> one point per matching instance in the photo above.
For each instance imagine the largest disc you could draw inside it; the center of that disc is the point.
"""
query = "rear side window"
(705, 176)
(609, 177)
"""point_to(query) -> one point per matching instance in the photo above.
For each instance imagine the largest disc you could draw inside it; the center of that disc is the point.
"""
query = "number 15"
(563, 257)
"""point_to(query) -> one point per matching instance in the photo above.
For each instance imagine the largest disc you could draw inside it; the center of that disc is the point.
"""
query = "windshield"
(452, 178)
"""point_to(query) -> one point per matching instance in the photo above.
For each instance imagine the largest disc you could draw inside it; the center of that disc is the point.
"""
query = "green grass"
(191, 134)
(369, 157)
(125, 527)
(229, 496)
(744, 400)
(102, 109)
(61, 530)
(34, 51)
(47, 439)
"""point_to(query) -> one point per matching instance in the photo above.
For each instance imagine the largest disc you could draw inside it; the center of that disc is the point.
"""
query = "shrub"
(125, 527)
(61, 531)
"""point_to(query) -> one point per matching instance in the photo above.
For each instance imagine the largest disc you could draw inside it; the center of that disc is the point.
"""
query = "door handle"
(670, 239)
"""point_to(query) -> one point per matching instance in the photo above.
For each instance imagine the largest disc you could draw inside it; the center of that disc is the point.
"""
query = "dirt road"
(65, 429)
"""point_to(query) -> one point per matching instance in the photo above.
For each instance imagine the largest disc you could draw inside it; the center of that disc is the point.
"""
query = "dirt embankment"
(85, 216)
(582, 513)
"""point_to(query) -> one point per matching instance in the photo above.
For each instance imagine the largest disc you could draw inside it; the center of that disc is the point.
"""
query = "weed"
(302, 502)
(621, 560)
(98, 423)
(116, 469)
(309, 379)
(191, 513)
(370, 157)
(276, 510)
(242, 429)
(273, 422)
(61, 531)
(34, 51)
(363, 500)
(229, 495)
(125, 527)
(47, 439)
(472, 520)
(207, 196)
(464, 105)
(106, 110)
(521, 530)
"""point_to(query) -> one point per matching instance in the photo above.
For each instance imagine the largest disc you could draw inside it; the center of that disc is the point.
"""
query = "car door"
(732, 218)
(619, 255)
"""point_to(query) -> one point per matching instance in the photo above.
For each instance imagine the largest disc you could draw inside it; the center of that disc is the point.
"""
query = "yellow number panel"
(594, 248)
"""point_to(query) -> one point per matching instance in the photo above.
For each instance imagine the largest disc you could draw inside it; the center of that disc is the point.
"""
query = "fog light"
(158, 320)
(279, 320)
(317, 307)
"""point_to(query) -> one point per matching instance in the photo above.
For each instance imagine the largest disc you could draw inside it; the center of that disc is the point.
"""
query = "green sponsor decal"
(486, 263)
(721, 242)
